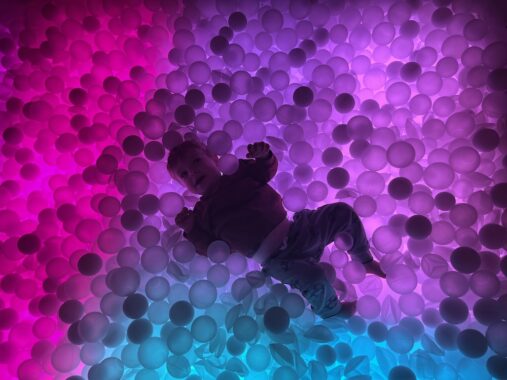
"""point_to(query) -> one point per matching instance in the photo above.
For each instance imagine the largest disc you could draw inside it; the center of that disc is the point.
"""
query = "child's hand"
(258, 150)
(185, 219)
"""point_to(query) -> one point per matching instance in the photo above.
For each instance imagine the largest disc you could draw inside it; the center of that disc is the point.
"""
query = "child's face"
(197, 171)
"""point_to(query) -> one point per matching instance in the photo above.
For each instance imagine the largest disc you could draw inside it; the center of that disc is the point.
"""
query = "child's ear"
(180, 181)
(177, 179)
(214, 157)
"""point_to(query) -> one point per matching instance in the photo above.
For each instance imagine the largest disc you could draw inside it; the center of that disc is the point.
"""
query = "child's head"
(193, 166)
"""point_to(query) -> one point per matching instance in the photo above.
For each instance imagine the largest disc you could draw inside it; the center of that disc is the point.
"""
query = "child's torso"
(245, 214)
(272, 242)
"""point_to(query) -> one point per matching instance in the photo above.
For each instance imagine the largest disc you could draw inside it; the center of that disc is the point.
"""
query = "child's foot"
(373, 267)
(346, 311)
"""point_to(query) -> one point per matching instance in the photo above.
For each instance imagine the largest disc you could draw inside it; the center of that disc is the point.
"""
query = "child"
(244, 211)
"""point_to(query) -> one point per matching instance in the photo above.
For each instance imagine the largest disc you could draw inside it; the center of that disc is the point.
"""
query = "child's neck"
(212, 188)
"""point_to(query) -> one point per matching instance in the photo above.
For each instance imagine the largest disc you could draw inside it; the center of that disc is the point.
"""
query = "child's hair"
(180, 150)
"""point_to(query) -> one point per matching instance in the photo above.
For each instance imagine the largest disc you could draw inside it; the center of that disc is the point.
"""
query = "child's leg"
(339, 217)
(310, 279)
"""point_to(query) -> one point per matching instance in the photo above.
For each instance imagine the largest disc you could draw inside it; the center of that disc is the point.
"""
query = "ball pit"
(396, 108)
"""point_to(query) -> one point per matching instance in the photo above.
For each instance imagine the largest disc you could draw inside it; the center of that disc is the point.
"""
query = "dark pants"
(296, 263)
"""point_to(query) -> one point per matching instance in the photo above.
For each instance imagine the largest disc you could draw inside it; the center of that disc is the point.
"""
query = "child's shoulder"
(243, 165)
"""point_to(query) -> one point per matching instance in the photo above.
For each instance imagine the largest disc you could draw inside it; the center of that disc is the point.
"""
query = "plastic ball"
(276, 319)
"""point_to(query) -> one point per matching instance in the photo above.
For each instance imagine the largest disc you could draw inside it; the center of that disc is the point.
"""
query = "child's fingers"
(256, 149)
(183, 214)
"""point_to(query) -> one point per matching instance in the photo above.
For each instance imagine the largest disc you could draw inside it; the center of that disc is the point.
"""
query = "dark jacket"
(242, 210)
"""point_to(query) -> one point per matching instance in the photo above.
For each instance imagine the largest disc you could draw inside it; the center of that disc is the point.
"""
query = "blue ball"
(178, 366)
(204, 328)
(179, 340)
(235, 346)
(377, 331)
(258, 357)
(227, 375)
(181, 313)
(109, 369)
(147, 374)
(285, 373)
(245, 328)
(129, 355)
(276, 319)
(152, 353)
(400, 340)
(139, 330)
(401, 373)
(326, 354)
(343, 352)
(158, 312)
(157, 288)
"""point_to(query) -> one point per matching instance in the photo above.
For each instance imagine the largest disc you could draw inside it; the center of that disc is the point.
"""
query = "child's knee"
(337, 210)
(343, 207)
(314, 274)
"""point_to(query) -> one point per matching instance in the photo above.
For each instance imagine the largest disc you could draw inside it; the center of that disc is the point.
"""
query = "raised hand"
(258, 150)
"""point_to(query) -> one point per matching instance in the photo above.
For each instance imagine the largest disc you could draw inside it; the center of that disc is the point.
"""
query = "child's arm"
(200, 238)
(265, 165)
(193, 231)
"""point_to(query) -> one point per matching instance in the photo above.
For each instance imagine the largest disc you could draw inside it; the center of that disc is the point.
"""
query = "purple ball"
(484, 284)
(453, 310)
(401, 279)
(445, 201)
(400, 188)
(418, 227)
(400, 154)
(410, 71)
(454, 284)
(497, 337)
(338, 178)
(344, 102)
(465, 259)
(463, 215)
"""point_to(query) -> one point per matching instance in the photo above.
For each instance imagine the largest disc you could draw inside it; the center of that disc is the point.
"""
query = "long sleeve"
(262, 169)
(200, 238)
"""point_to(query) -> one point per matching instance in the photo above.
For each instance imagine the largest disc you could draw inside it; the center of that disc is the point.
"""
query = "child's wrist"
(267, 155)
(189, 228)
